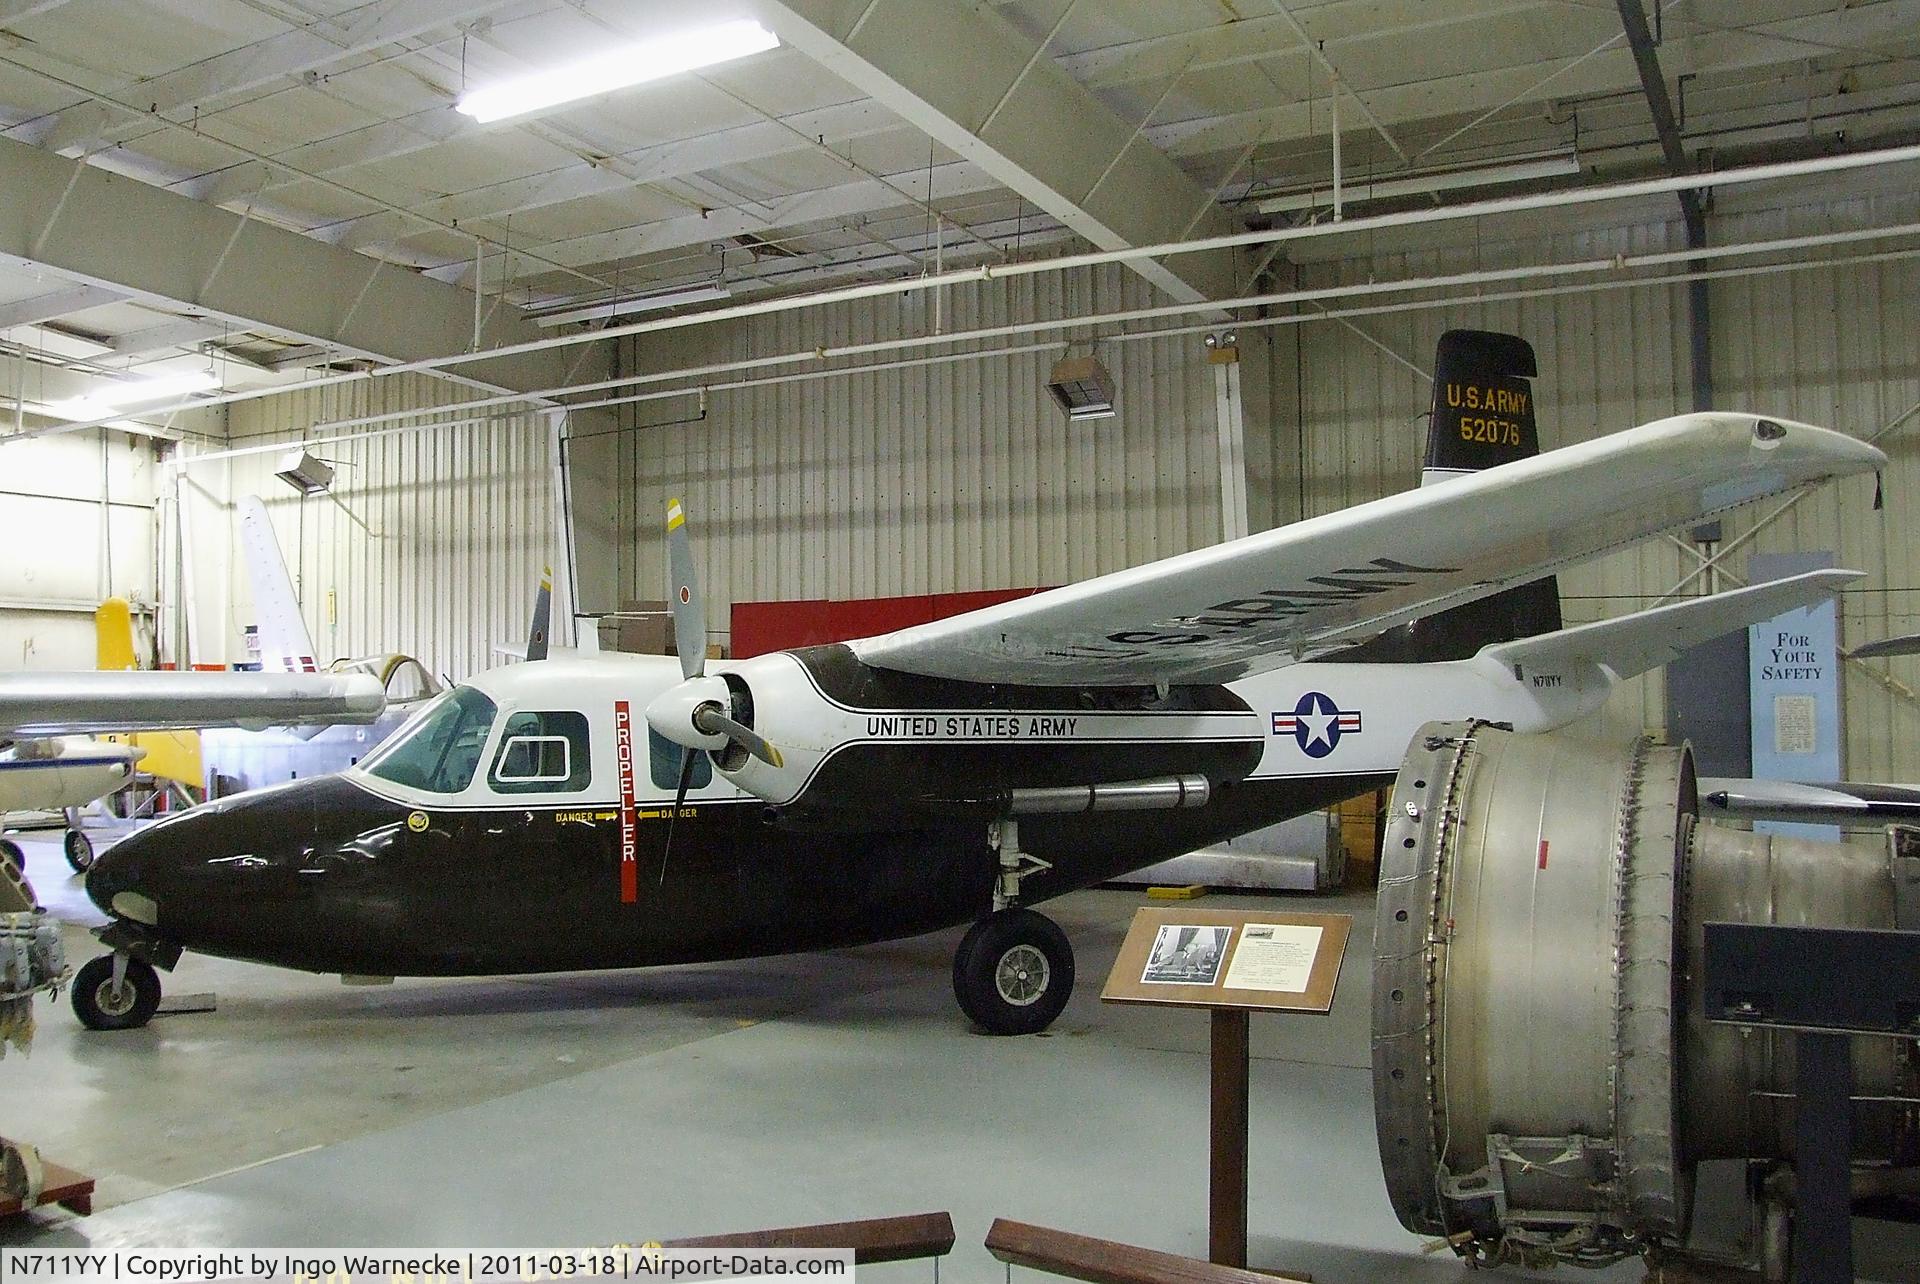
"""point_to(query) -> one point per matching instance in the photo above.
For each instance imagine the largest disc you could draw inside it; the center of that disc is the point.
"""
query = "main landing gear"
(1013, 972)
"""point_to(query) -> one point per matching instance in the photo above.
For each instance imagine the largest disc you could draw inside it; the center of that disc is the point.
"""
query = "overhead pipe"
(1281, 298)
(1341, 314)
(983, 272)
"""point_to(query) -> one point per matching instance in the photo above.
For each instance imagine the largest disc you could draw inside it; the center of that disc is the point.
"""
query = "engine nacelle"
(855, 738)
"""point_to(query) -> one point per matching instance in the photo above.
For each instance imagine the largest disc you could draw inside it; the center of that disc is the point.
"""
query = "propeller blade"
(689, 608)
(673, 817)
(715, 723)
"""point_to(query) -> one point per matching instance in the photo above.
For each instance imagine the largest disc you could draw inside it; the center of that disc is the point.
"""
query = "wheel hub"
(1022, 976)
(115, 1000)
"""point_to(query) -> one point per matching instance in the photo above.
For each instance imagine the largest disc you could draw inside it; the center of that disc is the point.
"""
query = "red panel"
(760, 627)
(945, 604)
(864, 617)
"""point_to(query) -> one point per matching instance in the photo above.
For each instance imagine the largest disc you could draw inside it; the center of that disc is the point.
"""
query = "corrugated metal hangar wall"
(964, 475)
(960, 475)
(429, 542)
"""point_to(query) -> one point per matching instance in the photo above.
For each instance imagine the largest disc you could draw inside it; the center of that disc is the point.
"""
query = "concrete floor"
(618, 1107)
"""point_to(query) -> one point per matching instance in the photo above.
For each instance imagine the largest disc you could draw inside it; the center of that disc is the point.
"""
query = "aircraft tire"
(79, 849)
(1013, 972)
(99, 1008)
(12, 853)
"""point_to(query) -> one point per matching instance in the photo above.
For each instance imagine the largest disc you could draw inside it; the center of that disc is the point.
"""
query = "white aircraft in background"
(42, 770)
(623, 811)
(235, 763)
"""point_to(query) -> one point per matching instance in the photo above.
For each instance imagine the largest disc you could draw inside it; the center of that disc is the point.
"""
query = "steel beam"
(1692, 201)
(864, 196)
(132, 238)
(55, 303)
(1021, 119)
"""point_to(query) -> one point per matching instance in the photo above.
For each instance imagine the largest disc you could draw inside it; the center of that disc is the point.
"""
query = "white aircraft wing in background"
(37, 704)
(1304, 590)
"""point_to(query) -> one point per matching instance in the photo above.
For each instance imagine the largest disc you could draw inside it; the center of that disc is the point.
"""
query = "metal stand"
(1828, 986)
(1227, 1139)
(1822, 1153)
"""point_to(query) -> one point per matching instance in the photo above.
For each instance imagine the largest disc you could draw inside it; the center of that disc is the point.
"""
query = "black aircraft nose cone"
(122, 880)
(176, 873)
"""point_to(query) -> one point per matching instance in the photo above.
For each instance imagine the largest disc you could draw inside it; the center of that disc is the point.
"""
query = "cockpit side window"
(439, 751)
(542, 753)
(666, 760)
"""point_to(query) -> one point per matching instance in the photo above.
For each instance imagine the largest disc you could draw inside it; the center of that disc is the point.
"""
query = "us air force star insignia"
(1316, 724)
(417, 822)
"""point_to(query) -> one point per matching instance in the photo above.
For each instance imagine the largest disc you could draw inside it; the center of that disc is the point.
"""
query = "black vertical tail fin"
(1482, 404)
(1483, 416)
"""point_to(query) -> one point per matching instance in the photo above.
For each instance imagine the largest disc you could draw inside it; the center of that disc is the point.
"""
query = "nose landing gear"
(116, 992)
(1013, 972)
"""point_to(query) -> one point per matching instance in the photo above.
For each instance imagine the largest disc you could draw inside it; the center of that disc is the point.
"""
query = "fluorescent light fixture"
(1557, 165)
(638, 303)
(633, 64)
(115, 397)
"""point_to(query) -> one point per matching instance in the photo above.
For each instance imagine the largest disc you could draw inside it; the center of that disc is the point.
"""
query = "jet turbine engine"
(1546, 1083)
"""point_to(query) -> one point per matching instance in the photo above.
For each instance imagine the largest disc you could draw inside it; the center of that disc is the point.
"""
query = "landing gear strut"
(116, 992)
(1013, 972)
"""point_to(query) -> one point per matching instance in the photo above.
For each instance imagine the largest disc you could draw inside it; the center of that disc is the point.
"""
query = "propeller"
(697, 712)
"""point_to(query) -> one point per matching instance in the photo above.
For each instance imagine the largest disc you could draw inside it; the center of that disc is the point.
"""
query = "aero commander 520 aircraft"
(620, 811)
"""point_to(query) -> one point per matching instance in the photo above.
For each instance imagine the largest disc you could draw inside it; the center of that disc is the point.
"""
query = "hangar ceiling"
(881, 138)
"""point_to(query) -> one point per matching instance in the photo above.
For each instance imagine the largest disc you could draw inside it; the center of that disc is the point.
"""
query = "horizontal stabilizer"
(1906, 644)
(51, 703)
(1646, 640)
(1836, 803)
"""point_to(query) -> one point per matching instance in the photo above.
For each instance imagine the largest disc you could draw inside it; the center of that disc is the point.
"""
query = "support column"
(1230, 419)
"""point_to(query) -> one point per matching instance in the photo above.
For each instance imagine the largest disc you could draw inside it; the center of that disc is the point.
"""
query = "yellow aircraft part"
(173, 755)
(113, 636)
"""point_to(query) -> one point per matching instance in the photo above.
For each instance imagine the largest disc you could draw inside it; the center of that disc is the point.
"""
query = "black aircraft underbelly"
(326, 876)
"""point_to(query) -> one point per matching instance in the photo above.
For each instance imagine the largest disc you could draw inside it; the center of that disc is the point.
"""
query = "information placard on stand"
(1232, 963)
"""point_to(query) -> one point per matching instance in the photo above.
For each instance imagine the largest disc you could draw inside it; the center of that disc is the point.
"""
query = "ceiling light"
(112, 398)
(617, 68)
(638, 303)
(305, 473)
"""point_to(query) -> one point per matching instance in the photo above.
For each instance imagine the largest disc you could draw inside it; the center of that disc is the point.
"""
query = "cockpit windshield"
(439, 750)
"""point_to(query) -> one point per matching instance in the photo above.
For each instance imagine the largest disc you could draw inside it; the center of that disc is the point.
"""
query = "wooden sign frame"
(1128, 983)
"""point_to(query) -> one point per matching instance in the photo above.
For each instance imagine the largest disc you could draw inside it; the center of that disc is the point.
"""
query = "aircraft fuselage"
(885, 836)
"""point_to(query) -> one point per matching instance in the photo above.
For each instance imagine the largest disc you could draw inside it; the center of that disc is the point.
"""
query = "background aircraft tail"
(285, 645)
(1482, 416)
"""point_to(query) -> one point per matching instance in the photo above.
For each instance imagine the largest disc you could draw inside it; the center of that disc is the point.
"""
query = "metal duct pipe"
(1544, 1081)
(1163, 793)
(1476, 209)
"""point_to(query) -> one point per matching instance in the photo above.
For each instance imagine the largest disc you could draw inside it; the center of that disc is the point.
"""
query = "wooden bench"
(1104, 1261)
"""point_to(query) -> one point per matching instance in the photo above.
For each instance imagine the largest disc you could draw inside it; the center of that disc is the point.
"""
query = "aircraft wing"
(1632, 644)
(36, 704)
(1303, 590)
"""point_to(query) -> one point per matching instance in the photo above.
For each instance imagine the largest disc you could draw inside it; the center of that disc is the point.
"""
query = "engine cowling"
(852, 738)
